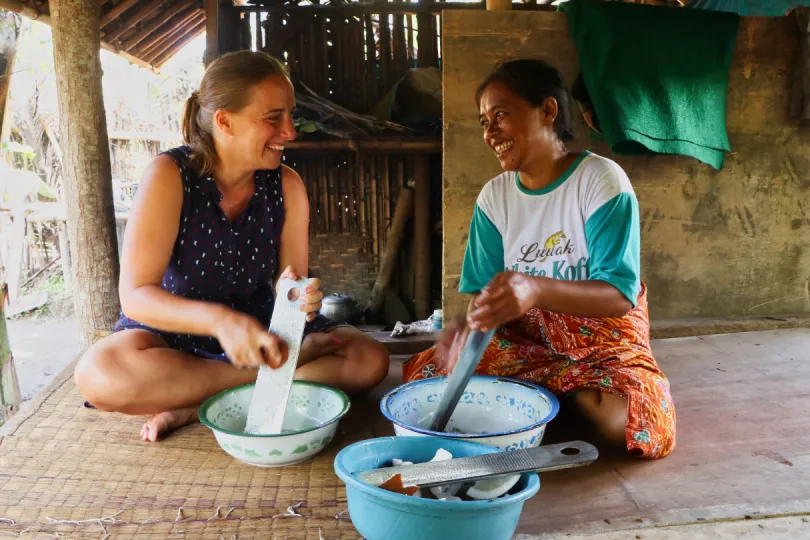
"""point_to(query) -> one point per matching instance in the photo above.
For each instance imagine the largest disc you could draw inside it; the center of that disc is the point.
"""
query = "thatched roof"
(147, 32)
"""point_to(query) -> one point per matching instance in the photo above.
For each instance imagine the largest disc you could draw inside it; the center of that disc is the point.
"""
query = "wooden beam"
(113, 14)
(128, 23)
(179, 44)
(360, 8)
(166, 31)
(44, 17)
(154, 24)
(211, 8)
(173, 37)
(405, 146)
(499, 5)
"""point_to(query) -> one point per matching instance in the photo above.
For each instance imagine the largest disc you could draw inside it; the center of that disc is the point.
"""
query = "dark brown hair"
(535, 80)
(226, 85)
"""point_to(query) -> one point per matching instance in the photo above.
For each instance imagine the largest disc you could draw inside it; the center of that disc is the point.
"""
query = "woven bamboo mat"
(62, 462)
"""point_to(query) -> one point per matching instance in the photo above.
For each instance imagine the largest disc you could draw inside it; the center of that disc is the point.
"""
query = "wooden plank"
(179, 44)
(116, 11)
(142, 13)
(156, 23)
(177, 35)
(167, 31)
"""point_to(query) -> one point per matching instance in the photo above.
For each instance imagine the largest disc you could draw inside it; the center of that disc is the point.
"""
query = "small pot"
(338, 307)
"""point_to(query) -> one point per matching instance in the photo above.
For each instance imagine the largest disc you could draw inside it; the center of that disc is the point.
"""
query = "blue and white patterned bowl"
(508, 414)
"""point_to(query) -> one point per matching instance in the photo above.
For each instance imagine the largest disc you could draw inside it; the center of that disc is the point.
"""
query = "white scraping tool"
(272, 389)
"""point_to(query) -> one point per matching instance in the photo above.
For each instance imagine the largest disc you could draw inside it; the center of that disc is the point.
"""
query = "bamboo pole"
(160, 54)
(351, 191)
(117, 10)
(375, 228)
(323, 34)
(139, 15)
(386, 180)
(411, 54)
(9, 385)
(334, 218)
(361, 195)
(421, 175)
(400, 48)
(371, 60)
(388, 263)
(385, 53)
(156, 23)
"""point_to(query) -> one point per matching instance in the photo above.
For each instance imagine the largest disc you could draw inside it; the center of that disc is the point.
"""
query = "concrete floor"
(41, 350)
(788, 528)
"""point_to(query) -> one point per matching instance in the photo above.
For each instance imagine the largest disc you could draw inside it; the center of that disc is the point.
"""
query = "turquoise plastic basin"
(378, 514)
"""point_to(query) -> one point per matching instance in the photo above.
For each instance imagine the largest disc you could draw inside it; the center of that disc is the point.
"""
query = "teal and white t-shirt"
(585, 225)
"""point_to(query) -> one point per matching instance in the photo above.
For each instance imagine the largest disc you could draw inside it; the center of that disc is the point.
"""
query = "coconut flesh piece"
(488, 488)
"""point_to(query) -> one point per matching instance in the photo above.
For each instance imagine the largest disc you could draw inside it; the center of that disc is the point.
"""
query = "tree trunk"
(86, 167)
(9, 32)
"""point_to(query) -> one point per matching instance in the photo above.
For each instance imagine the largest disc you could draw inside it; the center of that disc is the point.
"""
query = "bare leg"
(607, 412)
(356, 364)
(135, 372)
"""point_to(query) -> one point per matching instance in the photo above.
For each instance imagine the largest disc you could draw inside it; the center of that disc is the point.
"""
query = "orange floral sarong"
(565, 353)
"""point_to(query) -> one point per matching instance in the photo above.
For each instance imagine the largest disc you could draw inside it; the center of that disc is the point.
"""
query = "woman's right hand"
(451, 343)
(247, 343)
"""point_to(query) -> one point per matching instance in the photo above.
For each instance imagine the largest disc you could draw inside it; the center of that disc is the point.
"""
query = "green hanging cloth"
(657, 76)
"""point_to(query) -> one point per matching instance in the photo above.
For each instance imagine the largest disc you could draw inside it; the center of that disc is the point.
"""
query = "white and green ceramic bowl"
(313, 412)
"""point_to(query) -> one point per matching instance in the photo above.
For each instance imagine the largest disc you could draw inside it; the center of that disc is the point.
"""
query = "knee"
(99, 376)
(607, 412)
(370, 364)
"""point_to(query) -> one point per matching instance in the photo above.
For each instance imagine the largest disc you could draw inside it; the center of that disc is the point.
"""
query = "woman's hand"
(311, 303)
(247, 342)
(507, 297)
(451, 343)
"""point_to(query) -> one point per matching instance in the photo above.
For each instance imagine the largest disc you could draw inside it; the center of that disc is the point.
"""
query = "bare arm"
(512, 294)
(151, 232)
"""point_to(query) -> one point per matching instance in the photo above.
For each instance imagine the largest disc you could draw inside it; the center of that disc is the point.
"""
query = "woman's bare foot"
(163, 423)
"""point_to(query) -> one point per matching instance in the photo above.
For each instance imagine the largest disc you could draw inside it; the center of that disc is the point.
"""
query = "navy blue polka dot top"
(216, 260)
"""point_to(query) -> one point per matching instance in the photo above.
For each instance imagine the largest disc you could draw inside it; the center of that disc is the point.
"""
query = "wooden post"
(211, 30)
(9, 385)
(421, 177)
(87, 175)
(499, 5)
(388, 263)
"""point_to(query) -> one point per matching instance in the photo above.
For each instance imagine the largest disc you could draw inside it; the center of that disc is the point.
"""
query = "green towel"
(657, 76)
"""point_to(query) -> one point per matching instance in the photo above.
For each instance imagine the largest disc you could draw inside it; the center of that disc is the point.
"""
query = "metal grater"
(272, 390)
(469, 469)
(457, 381)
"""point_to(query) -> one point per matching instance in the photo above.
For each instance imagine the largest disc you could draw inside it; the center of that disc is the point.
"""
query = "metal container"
(338, 307)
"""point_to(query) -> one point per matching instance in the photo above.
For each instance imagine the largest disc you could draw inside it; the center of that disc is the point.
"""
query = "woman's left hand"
(506, 298)
(311, 303)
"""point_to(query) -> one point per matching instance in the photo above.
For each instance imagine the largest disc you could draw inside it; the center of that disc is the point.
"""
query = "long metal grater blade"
(468, 469)
(457, 381)
(272, 390)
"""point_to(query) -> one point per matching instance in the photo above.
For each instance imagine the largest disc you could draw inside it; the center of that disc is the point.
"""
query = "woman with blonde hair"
(214, 226)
